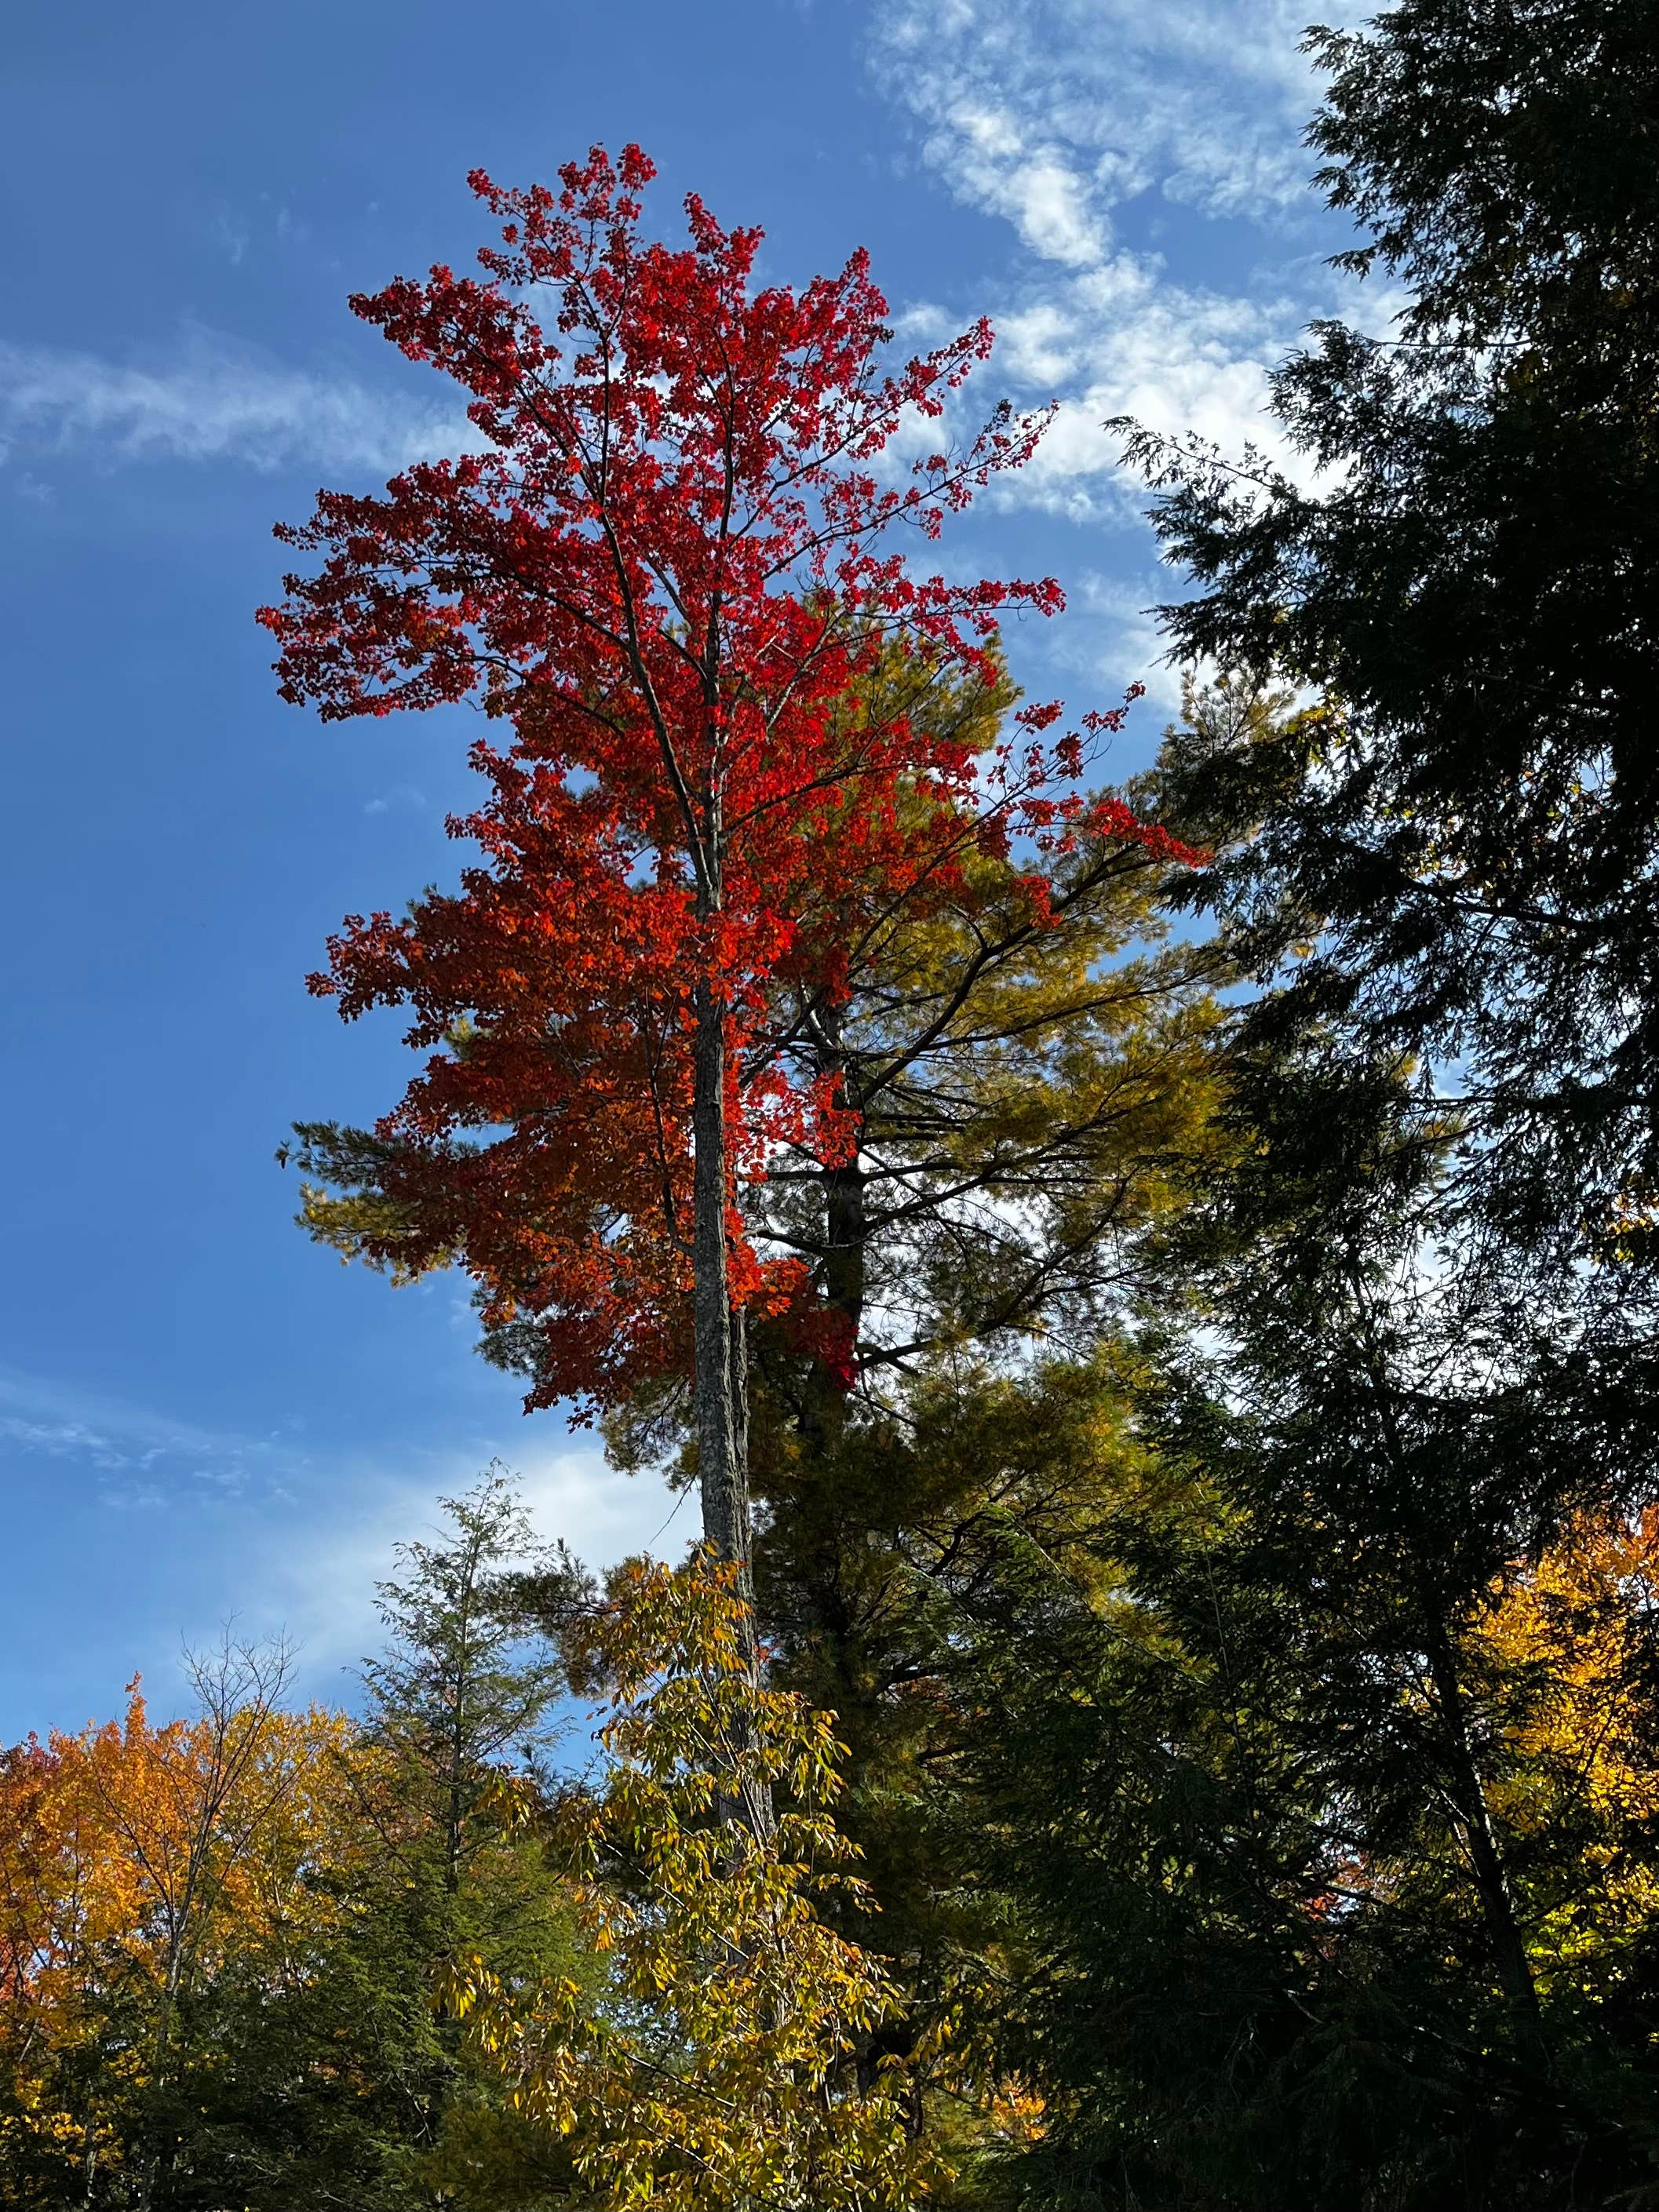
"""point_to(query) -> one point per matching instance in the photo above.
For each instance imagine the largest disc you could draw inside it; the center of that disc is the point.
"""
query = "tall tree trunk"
(720, 1378)
(845, 1237)
(848, 1234)
(1480, 1836)
(1464, 1767)
(722, 1474)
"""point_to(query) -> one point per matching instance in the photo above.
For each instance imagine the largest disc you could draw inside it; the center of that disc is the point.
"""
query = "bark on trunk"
(721, 1473)
(846, 1237)
(848, 1234)
(1484, 1849)
(847, 1231)
(720, 1382)
(1486, 1853)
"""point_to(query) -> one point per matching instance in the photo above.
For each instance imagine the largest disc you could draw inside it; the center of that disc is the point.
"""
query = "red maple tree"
(665, 572)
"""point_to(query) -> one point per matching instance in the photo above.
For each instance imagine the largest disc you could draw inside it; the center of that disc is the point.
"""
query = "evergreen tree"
(457, 1700)
(1271, 1791)
(1465, 830)
(223, 1941)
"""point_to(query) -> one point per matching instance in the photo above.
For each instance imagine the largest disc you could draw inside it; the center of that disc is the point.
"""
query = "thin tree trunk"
(846, 1237)
(721, 1472)
(720, 1380)
(739, 1342)
(1486, 1852)
(160, 2049)
(455, 1823)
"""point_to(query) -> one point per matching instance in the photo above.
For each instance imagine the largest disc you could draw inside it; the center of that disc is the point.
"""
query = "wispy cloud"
(1056, 110)
(1117, 633)
(324, 1591)
(210, 398)
(45, 1419)
(284, 1530)
(402, 799)
(1053, 115)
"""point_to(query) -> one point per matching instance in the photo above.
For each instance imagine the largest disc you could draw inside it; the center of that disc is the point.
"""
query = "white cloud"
(1117, 641)
(1118, 339)
(1204, 101)
(402, 799)
(41, 1418)
(324, 1591)
(1051, 114)
(286, 1535)
(211, 398)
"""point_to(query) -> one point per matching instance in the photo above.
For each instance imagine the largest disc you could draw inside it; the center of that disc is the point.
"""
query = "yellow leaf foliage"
(138, 1857)
(718, 2073)
(1580, 1790)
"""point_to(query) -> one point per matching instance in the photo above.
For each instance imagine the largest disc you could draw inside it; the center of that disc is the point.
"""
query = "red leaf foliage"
(679, 547)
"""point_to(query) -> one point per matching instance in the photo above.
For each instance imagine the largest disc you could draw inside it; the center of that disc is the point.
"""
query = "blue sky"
(202, 1414)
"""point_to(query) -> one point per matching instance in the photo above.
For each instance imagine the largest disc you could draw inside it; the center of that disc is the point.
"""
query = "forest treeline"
(1154, 1287)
